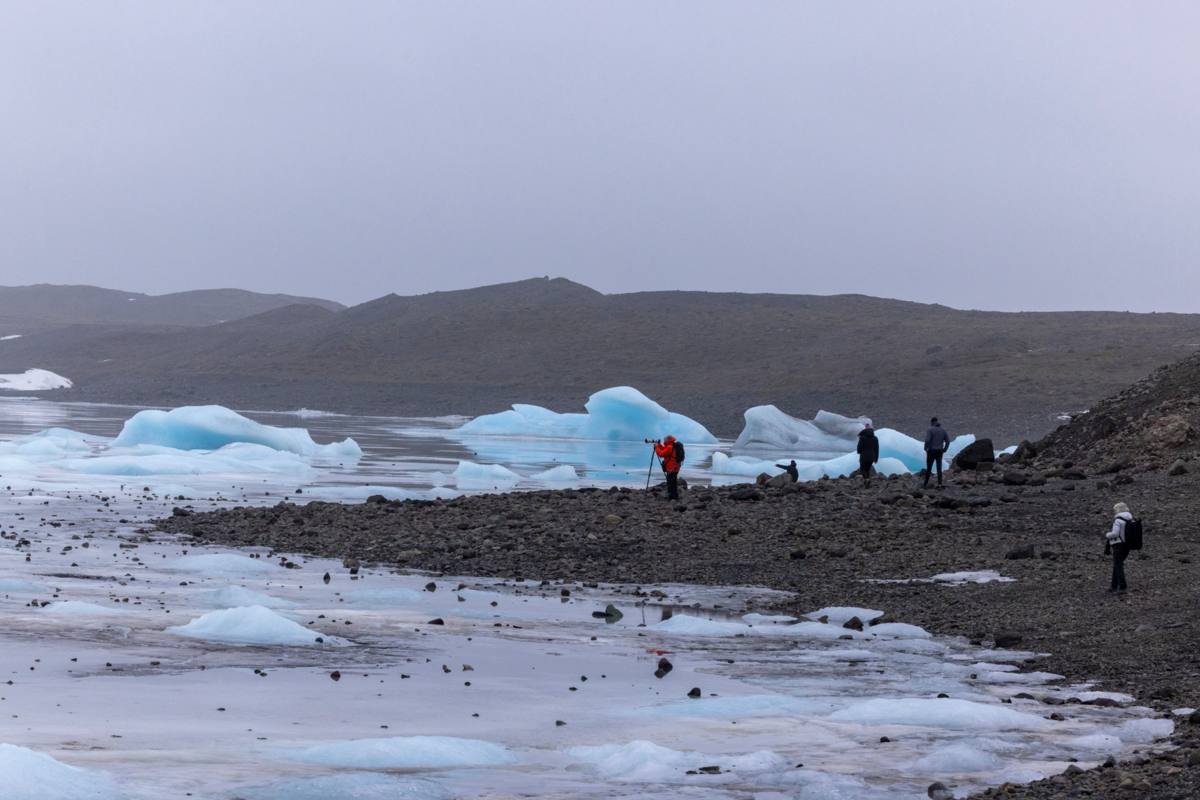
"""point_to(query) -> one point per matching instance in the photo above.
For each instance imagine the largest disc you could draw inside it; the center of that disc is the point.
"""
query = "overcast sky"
(977, 154)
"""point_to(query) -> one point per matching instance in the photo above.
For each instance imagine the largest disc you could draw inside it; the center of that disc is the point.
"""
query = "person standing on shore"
(1116, 545)
(936, 442)
(791, 469)
(667, 455)
(868, 452)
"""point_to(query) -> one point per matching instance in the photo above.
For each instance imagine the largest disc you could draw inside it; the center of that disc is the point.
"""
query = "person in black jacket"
(868, 452)
(936, 442)
(790, 469)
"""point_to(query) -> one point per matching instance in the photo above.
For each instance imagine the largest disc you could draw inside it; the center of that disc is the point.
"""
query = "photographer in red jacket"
(669, 454)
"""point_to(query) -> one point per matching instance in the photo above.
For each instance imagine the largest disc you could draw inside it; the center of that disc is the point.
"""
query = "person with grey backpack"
(1125, 535)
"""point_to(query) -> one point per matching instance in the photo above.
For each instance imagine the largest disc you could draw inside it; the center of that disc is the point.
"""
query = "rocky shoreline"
(826, 542)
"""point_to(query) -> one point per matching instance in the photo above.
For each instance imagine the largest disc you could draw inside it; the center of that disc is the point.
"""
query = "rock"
(335, 675)
(1074, 474)
(610, 613)
(1193, 758)
(1194, 718)
(326, 578)
(1178, 468)
(763, 479)
(854, 624)
(746, 494)
(180, 512)
(779, 481)
(431, 587)
(436, 621)
(797, 554)
(1025, 451)
(612, 520)
(1170, 431)
(377, 500)
(977, 452)
(938, 791)
(1023, 551)
(694, 693)
(1014, 478)
(711, 770)
(664, 667)
(1006, 639)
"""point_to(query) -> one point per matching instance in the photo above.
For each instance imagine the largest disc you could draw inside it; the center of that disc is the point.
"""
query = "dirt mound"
(1155, 423)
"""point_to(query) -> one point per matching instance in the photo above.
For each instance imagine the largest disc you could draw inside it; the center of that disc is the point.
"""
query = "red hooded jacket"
(666, 451)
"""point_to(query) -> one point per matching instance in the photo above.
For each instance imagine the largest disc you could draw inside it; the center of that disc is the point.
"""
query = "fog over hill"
(25, 309)
(553, 342)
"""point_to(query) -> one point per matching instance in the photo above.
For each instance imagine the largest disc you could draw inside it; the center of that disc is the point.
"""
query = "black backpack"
(679, 457)
(1133, 534)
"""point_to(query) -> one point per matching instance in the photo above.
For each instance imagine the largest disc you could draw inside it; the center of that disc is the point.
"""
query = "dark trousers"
(1119, 551)
(673, 485)
(933, 457)
(864, 467)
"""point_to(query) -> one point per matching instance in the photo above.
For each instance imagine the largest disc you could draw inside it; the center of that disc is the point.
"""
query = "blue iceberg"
(214, 427)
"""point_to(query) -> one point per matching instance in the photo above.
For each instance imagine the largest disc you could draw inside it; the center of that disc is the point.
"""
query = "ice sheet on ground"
(80, 608)
(689, 625)
(18, 586)
(29, 775)
(1183, 712)
(406, 752)
(251, 625)
(214, 427)
(34, 380)
(222, 564)
(980, 576)
(638, 761)
(840, 615)
(621, 413)
(349, 786)
(1144, 731)
(942, 712)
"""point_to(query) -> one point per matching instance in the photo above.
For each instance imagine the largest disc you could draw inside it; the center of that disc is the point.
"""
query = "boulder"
(1006, 639)
(1025, 451)
(977, 452)
(1168, 432)
(1014, 478)
(763, 479)
(748, 493)
(779, 481)
(1178, 468)
(1024, 551)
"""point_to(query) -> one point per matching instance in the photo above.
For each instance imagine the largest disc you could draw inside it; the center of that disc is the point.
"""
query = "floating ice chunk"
(51, 442)
(948, 713)
(407, 752)
(621, 413)
(349, 786)
(79, 608)
(233, 596)
(468, 473)
(34, 380)
(1183, 712)
(767, 619)
(638, 761)
(826, 436)
(840, 615)
(213, 427)
(687, 625)
(956, 759)
(1144, 731)
(154, 460)
(28, 775)
(222, 564)
(563, 473)
(249, 625)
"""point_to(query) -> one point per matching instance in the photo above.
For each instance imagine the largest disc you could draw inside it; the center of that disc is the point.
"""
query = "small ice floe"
(251, 625)
(942, 712)
(563, 473)
(1183, 712)
(10, 337)
(406, 752)
(34, 380)
(956, 758)
(233, 596)
(950, 578)
(641, 761)
(840, 615)
(30, 775)
(468, 474)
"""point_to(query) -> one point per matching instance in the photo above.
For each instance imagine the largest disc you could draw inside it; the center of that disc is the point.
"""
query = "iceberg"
(248, 625)
(826, 436)
(214, 427)
(34, 380)
(29, 775)
(621, 413)
(484, 476)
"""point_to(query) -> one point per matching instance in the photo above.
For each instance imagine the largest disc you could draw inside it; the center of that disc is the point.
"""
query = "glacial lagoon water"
(137, 667)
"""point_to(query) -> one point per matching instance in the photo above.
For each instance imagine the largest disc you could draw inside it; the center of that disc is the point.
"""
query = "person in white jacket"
(1116, 543)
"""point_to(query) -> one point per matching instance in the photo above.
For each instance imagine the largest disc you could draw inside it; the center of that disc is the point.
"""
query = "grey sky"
(979, 154)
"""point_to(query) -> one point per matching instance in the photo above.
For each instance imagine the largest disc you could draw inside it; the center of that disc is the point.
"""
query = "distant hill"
(28, 309)
(708, 355)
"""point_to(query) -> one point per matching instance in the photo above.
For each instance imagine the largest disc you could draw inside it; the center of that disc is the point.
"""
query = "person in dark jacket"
(936, 442)
(790, 469)
(1115, 544)
(868, 452)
